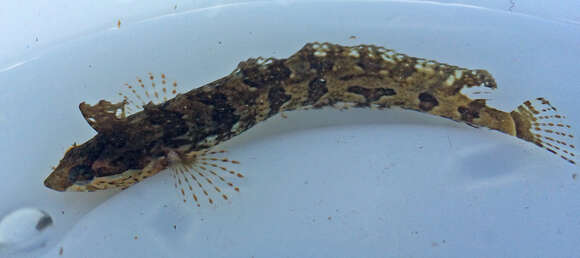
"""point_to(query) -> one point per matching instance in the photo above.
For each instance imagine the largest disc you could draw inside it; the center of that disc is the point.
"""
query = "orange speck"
(74, 145)
(119, 24)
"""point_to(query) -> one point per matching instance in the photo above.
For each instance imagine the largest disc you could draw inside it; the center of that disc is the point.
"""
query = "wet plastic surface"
(319, 183)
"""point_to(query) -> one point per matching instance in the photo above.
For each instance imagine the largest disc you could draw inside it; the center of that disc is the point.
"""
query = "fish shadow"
(489, 161)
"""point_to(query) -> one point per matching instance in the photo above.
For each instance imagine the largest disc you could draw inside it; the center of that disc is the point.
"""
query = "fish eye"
(79, 173)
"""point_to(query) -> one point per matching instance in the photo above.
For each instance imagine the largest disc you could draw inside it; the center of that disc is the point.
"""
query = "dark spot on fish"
(128, 160)
(259, 76)
(117, 138)
(154, 114)
(349, 77)
(277, 97)
(472, 110)
(368, 64)
(252, 83)
(321, 65)
(477, 104)
(316, 89)
(467, 114)
(346, 77)
(176, 143)
(427, 101)
(174, 126)
(402, 71)
(371, 94)
(80, 173)
(223, 114)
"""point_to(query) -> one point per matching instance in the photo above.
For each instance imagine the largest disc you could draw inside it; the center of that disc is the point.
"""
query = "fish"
(182, 131)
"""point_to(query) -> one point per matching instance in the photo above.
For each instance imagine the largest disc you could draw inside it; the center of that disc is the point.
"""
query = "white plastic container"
(324, 183)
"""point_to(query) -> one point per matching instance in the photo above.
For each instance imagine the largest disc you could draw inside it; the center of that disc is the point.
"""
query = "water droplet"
(24, 229)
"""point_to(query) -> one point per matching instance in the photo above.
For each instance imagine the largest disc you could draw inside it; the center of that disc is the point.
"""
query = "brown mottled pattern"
(319, 75)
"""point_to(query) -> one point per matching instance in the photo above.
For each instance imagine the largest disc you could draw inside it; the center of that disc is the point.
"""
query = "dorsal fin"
(104, 114)
(154, 89)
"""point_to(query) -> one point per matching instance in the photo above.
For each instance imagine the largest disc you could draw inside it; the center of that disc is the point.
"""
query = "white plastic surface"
(320, 183)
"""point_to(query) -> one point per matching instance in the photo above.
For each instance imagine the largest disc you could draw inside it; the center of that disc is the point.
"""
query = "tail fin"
(539, 122)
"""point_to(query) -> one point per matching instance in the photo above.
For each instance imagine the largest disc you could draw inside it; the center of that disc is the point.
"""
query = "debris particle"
(44, 222)
(136, 237)
(574, 176)
(329, 218)
(512, 5)
(174, 226)
(61, 251)
(119, 24)
(352, 37)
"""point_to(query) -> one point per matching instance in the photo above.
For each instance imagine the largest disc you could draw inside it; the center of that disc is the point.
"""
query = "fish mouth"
(56, 182)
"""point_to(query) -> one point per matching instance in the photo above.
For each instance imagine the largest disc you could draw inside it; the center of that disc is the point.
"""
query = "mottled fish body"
(180, 131)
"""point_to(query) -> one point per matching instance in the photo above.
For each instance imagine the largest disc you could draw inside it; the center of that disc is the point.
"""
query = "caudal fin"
(539, 122)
